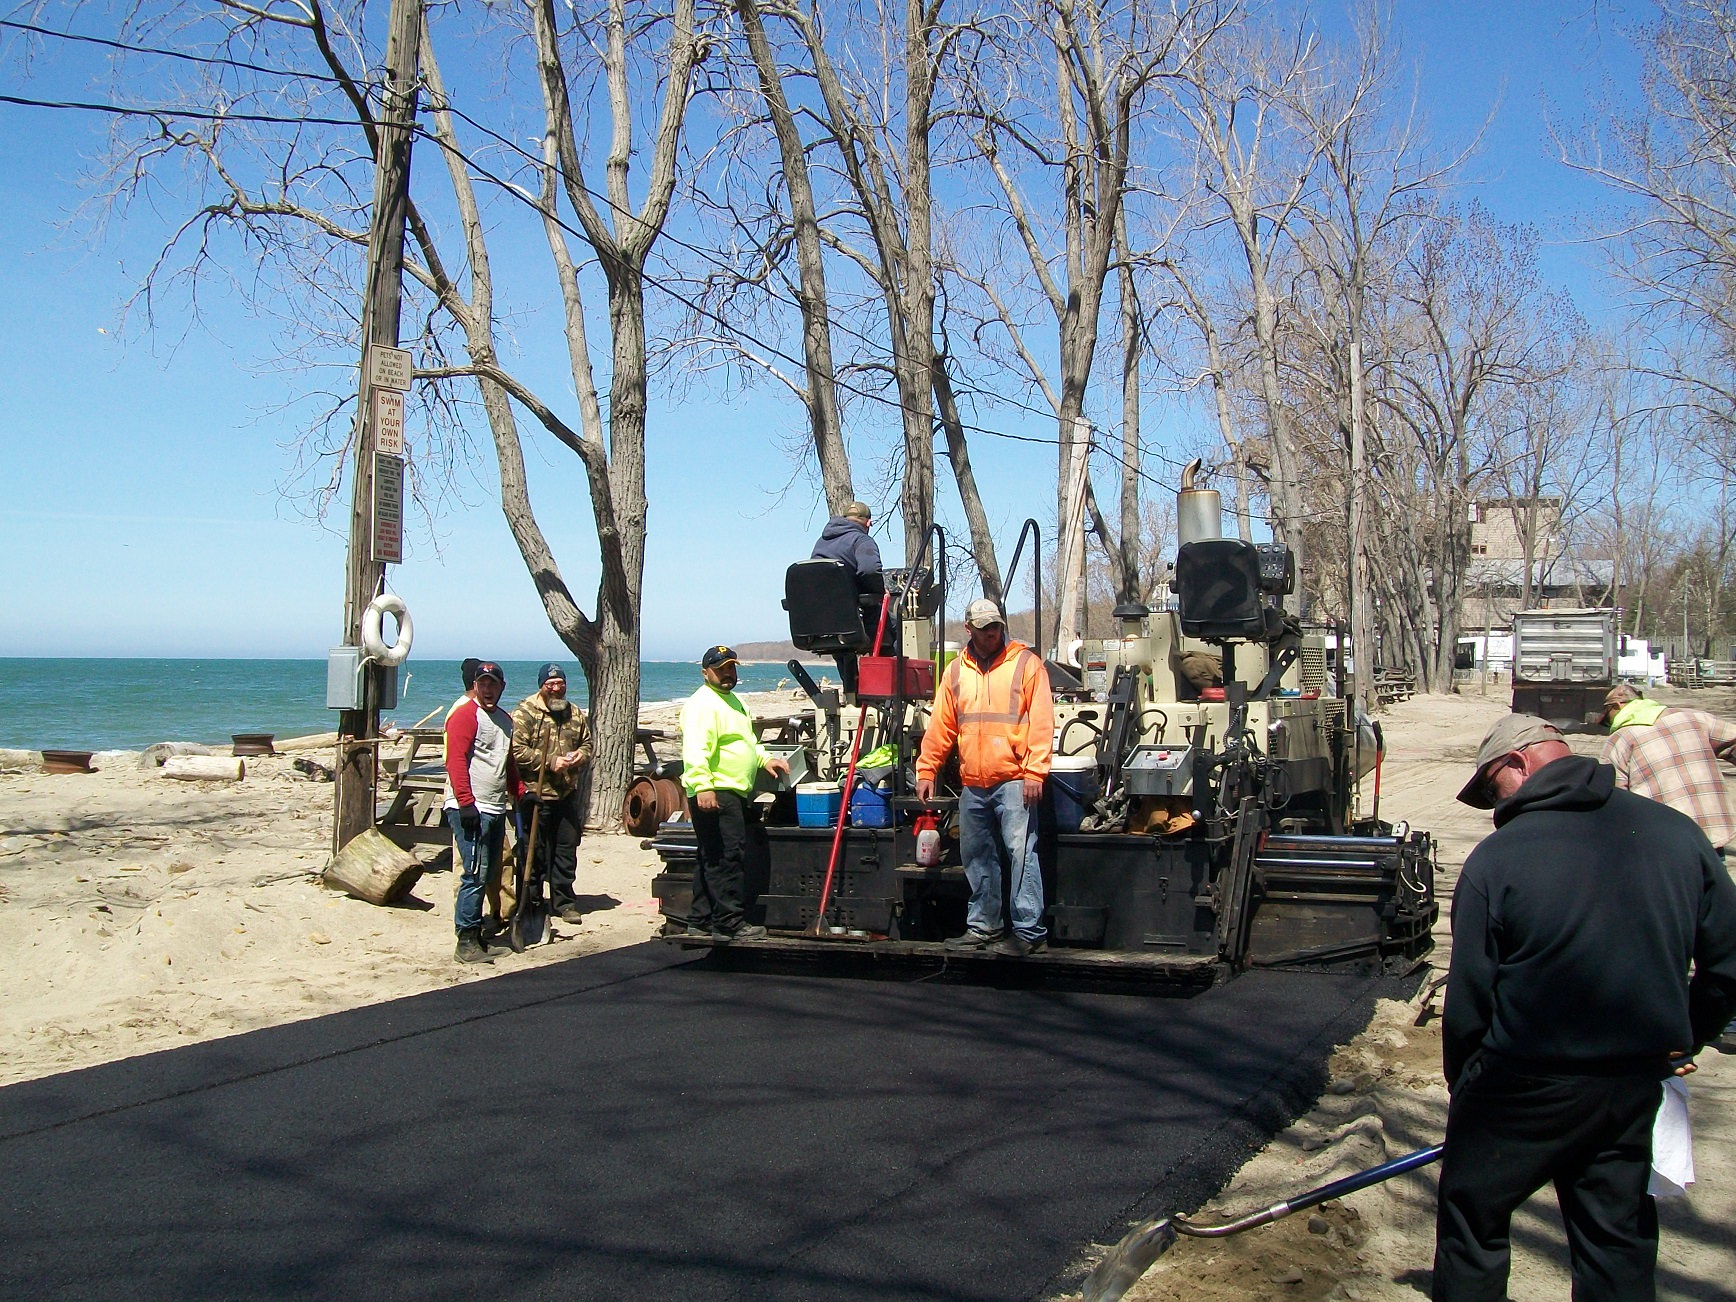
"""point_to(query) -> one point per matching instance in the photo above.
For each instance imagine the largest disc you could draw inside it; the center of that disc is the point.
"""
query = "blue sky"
(141, 513)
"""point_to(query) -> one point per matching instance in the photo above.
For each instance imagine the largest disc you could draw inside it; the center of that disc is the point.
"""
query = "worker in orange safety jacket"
(993, 703)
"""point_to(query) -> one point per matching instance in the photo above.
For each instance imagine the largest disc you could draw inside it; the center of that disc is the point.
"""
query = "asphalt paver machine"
(1202, 815)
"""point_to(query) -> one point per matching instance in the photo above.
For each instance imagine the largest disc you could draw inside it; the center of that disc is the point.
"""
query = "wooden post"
(357, 729)
(1361, 623)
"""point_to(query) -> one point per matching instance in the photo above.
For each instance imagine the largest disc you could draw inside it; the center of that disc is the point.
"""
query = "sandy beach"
(139, 913)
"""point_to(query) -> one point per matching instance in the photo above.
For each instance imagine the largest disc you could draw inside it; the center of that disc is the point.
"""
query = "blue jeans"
(480, 859)
(997, 830)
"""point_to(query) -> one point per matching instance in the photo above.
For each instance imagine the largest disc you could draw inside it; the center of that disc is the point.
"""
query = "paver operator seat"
(825, 615)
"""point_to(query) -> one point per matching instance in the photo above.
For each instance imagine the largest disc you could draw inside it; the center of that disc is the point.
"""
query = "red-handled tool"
(849, 783)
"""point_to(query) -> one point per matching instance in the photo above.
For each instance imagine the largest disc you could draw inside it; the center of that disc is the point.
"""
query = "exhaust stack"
(1199, 512)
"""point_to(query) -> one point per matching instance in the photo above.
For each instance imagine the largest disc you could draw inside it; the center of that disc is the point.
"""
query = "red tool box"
(875, 678)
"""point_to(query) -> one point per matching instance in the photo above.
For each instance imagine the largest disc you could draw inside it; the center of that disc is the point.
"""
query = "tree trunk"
(615, 707)
(982, 539)
(824, 422)
(1361, 626)
(1283, 491)
(916, 367)
(1124, 556)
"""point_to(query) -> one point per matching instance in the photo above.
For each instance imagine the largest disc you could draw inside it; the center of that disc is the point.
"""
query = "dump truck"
(1564, 661)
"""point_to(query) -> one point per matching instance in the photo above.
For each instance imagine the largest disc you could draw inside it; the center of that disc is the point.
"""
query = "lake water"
(129, 704)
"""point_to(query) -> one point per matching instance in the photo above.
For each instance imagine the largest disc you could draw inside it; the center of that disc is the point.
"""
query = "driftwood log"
(204, 768)
(373, 869)
(153, 757)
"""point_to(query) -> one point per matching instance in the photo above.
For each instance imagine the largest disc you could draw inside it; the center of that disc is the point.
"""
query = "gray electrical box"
(344, 670)
(1159, 771)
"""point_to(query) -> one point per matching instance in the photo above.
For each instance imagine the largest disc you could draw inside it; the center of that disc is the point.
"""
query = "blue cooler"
(817, 804)
(870, 807)
(1072, 789)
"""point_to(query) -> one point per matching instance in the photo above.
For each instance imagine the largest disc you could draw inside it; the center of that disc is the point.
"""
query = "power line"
(208, 59)
(160, 112)
(714, 260)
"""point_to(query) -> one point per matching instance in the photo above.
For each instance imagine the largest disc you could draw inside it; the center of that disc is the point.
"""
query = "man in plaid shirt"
(1671, 755)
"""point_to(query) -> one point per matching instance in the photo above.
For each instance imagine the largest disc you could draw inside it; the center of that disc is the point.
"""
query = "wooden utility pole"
(1361, 625)
(358, 730)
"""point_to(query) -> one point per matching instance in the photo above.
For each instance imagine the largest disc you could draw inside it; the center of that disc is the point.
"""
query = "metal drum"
(66, 761)
(650, 803)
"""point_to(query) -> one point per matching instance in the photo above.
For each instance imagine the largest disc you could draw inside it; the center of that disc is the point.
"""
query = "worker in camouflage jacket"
(551, 744)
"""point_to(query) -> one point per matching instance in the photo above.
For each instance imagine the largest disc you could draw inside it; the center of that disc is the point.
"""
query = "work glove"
(470, 819)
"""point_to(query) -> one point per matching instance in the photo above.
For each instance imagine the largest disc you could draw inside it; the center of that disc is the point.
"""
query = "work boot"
(973, 939)
(470, 948)
(570, 913)
(747, 931)
(699, 929)
(1014, 945)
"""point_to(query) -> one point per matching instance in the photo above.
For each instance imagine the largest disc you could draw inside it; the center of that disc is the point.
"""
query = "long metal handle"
(1313, 1198)
(1123, 1264)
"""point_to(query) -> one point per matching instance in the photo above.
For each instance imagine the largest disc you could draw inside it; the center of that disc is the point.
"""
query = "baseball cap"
(717, 655)
(857, 511)
(983, 613)
(488, 669)
(1511, 732)
(1616, 697)
(548, 671)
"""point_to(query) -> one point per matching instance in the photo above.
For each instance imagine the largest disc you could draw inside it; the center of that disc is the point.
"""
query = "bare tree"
(1376, 179)
(1062, 170)
(286, 191)
(1477, 317)
(1231, 100)
(821, 389)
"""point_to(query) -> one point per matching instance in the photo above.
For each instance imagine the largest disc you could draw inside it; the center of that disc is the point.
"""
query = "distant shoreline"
(129, 704)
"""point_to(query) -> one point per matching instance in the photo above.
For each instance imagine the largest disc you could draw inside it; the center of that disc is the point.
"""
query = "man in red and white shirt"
(482, 788)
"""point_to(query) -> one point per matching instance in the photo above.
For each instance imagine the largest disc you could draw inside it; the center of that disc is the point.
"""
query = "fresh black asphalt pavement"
(640, 1124)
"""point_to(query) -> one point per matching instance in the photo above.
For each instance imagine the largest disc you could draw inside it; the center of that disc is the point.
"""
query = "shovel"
(1146, 1242)
(527, 861)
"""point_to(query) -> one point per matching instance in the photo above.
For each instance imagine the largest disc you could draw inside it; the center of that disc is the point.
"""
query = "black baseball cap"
(717, 655)
(488, 669)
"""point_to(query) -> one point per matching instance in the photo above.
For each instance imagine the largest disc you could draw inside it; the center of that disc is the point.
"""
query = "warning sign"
(388, 406)
(389, 368)
(388, 508)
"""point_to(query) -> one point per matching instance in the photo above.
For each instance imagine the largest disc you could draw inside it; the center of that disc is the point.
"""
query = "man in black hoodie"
(1568, 1003)
(846, 539)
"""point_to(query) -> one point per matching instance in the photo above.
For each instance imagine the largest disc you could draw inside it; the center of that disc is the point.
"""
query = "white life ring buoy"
(372, 642)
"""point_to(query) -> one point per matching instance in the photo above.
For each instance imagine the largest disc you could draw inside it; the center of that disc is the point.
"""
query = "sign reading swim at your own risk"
(388, 415)
(389, 372)
(388, 508)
